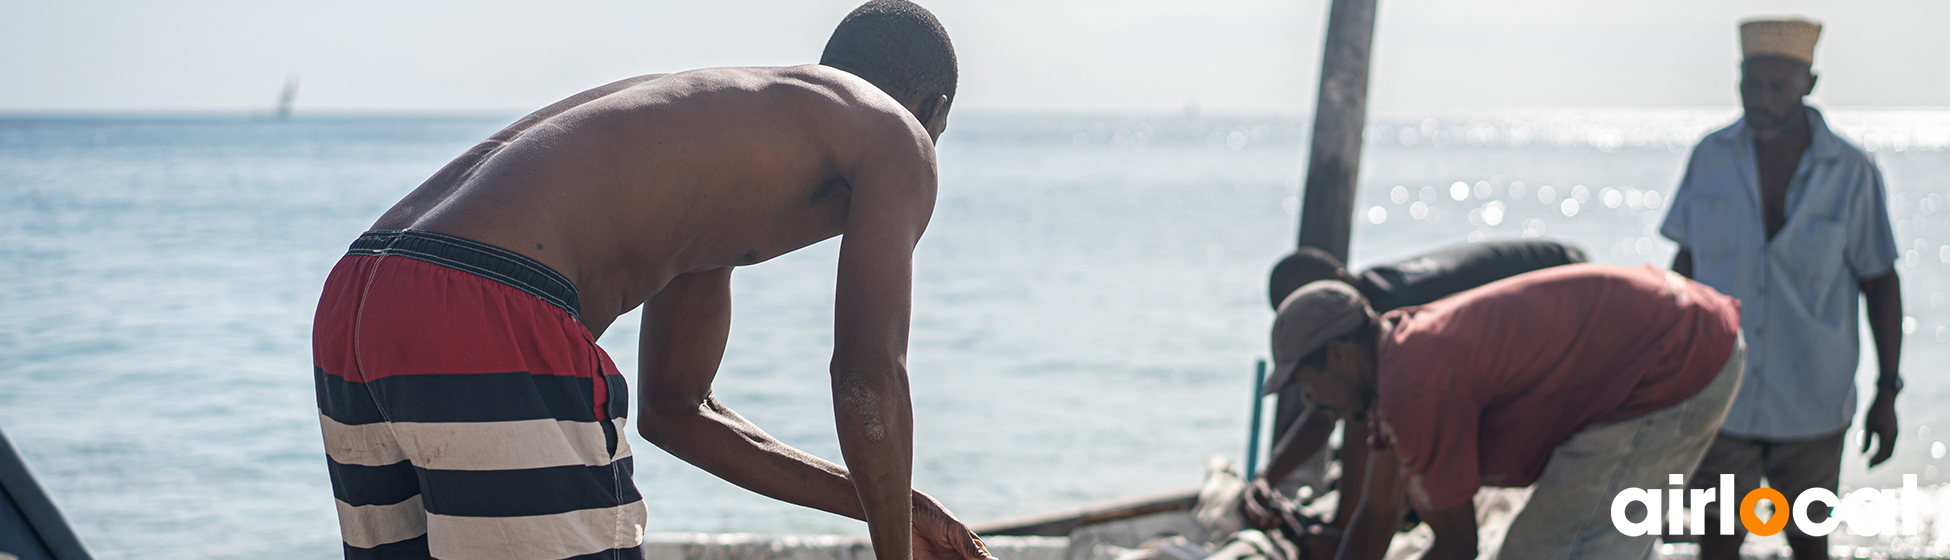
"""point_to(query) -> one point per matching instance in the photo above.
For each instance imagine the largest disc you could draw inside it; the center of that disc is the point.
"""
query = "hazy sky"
(1119, 55)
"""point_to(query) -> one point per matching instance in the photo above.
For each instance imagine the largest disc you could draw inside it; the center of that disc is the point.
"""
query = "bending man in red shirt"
(1581, 379)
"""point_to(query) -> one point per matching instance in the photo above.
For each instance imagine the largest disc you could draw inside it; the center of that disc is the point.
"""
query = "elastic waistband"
(474, 257)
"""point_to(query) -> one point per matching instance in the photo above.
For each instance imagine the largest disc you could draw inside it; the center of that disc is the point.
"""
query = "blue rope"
(1252, 438)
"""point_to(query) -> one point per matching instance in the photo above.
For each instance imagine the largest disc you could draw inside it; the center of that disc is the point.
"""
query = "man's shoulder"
(1714, 162)
(846, 107)
(836, 110)
(1723, 139)
(1839, 150)
(811, 90)
(835, 92)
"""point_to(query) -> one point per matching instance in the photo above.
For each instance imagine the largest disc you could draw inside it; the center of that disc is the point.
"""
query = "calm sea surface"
(1089, 299)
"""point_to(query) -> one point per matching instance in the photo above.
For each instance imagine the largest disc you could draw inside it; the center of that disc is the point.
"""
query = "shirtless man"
(518, 255)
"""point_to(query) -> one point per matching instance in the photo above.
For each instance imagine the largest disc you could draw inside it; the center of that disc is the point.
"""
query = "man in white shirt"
(1780, 212)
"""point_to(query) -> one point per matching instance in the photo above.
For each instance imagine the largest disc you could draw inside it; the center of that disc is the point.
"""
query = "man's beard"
(1774, 123)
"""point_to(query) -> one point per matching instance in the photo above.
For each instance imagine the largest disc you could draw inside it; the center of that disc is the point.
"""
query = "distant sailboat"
(285, 99)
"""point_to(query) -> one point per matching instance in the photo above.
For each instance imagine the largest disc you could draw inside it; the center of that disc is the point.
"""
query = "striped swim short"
(467, 413)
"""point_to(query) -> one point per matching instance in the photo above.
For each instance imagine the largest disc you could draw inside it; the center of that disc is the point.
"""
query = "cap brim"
(1282, 374)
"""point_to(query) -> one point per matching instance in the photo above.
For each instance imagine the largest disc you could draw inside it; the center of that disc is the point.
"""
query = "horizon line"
(342, 112)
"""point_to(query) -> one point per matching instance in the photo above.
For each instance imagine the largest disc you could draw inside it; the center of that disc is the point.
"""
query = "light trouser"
(1569, 512)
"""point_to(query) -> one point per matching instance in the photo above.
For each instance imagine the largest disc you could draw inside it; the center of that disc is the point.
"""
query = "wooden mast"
(1326, 222)
(1340, 116)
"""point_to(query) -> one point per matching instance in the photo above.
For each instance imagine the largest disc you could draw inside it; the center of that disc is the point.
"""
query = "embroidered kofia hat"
(1791, 38)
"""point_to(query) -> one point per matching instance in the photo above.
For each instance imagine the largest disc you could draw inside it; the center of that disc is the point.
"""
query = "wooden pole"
(1340, 117)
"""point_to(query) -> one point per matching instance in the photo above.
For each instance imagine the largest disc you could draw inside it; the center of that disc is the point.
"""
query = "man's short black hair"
(1305, 265)
(897, 46)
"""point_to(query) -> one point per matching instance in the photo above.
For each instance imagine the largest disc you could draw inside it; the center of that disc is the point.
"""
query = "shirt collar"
(1822, 143)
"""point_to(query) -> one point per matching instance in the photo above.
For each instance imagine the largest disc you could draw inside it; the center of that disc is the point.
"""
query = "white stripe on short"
(370, 526)
(474, 446)
(560, 535)
(369, 445)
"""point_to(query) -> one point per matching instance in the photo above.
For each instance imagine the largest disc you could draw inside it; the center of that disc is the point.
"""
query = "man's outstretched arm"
(1306, 438)
(684, 330)
(892, 180)
(683, 339)
(1455, 533)
(1370, 526)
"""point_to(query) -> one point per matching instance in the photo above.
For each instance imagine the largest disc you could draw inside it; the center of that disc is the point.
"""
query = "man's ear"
(1812, 77)
(1350, 355)
(934, 115)
(1340, 354)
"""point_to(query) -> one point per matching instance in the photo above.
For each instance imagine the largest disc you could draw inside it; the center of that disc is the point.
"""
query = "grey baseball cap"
(1309, 317)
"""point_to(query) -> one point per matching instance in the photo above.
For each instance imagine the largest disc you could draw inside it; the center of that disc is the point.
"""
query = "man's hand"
(938, 535)
(1262, 506)
(1881, 428)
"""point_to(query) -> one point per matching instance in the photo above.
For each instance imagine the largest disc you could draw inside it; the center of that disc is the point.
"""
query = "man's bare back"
(627, 186)
(649, 192)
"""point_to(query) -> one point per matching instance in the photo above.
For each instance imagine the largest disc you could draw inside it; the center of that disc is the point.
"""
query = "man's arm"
(1371, 525)
(1455, 532)
(1682, 263)
(1299, 445)
(893, 186)
(1885, 309)
(683, 339)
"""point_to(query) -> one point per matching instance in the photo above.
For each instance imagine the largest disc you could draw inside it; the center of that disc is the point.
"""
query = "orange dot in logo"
(1775, 523)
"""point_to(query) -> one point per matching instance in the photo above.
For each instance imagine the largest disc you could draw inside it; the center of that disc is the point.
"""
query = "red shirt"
(1478, 388)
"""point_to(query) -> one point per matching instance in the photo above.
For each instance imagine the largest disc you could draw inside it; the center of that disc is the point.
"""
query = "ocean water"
(1089, 299)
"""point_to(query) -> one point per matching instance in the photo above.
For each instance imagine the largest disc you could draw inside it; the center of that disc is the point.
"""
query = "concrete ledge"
(748, 546)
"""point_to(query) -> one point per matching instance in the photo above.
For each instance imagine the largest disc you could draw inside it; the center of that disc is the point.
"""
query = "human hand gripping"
(1262, 506)
(938, 535)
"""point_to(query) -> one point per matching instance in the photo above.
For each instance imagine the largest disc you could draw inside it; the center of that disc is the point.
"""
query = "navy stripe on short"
(344, 401)
(631, 553)
(359, 485)
(410, 549)
(467, 397)
(529, 491)
(509, 493)
(416, 549)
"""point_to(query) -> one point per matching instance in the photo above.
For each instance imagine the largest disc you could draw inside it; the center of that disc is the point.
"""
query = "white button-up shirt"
(1799, 290)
